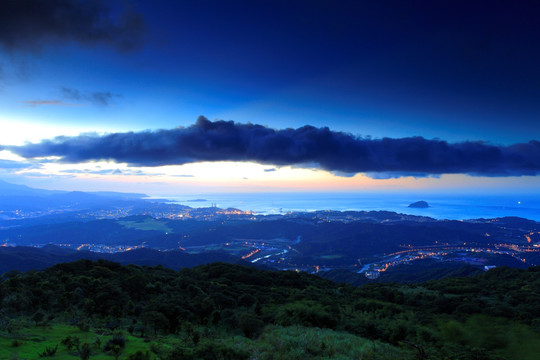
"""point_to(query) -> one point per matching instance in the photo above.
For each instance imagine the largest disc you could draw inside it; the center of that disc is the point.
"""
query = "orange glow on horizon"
(244, 177)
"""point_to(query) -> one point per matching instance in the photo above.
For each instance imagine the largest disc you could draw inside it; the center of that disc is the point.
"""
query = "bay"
(454, 207)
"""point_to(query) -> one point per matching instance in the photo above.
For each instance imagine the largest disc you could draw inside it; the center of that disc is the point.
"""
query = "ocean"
(455, 207)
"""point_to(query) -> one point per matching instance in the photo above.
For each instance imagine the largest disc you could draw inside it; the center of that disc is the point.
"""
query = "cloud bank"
(333, 151)
(28, 24)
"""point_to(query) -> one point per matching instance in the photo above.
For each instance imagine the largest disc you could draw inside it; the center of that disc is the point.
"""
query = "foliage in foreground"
(233, 312)
(275, 342)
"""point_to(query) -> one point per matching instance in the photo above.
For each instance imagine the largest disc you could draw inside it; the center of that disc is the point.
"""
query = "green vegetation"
(146, 224)
(102, 310)
(33, 341)
(331, 257)
(276, 342)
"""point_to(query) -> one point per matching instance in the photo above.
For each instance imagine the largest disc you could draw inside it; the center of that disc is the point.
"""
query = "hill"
(245, 312)
(22, 258)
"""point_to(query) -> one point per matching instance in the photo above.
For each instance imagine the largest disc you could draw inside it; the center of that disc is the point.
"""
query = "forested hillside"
(234, 312)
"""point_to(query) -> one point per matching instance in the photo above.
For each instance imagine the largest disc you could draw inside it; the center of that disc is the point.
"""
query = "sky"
(172, 97)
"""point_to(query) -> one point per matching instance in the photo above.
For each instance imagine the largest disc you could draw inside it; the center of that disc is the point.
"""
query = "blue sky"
(452, 71)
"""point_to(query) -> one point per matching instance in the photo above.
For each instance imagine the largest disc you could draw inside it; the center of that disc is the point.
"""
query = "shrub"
(305, 313)
(85, 351)
(49, 351)
(71, 342)
(97, 343)
(84, 325)
(139, 355)
(207, 350)
(250, 325)
(16, 343)
(117, 340)
(156, 348)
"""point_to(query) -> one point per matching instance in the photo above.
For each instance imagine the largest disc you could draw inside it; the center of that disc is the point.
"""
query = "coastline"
(455, 207)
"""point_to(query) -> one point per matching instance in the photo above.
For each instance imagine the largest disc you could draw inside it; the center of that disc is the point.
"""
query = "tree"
(71, 342)
(38, 317)
(155, 319)
(250, 325)
(118, 340)
(116, 351)
(85, 351)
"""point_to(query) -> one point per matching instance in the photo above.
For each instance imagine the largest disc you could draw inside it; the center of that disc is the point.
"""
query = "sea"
(453, 207)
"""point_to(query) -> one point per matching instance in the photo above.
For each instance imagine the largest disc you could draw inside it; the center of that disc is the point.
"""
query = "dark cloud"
(351, 174)
(54, 102)
(71, 93)
(393, 175)
(102, 98)
(29, 24)
(270, 169)
(329, 150)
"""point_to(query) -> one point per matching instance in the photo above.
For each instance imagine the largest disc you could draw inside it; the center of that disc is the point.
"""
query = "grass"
(35, 340)
(276, 342)
(147, 224)
(299, 343)
(505, 338)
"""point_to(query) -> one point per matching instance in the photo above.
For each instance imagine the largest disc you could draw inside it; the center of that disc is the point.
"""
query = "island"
(419, 205)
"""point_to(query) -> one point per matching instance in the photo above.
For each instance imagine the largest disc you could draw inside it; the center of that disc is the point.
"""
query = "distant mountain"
(23, 258)
(8, 189)
(37, 202)
(119, 194)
